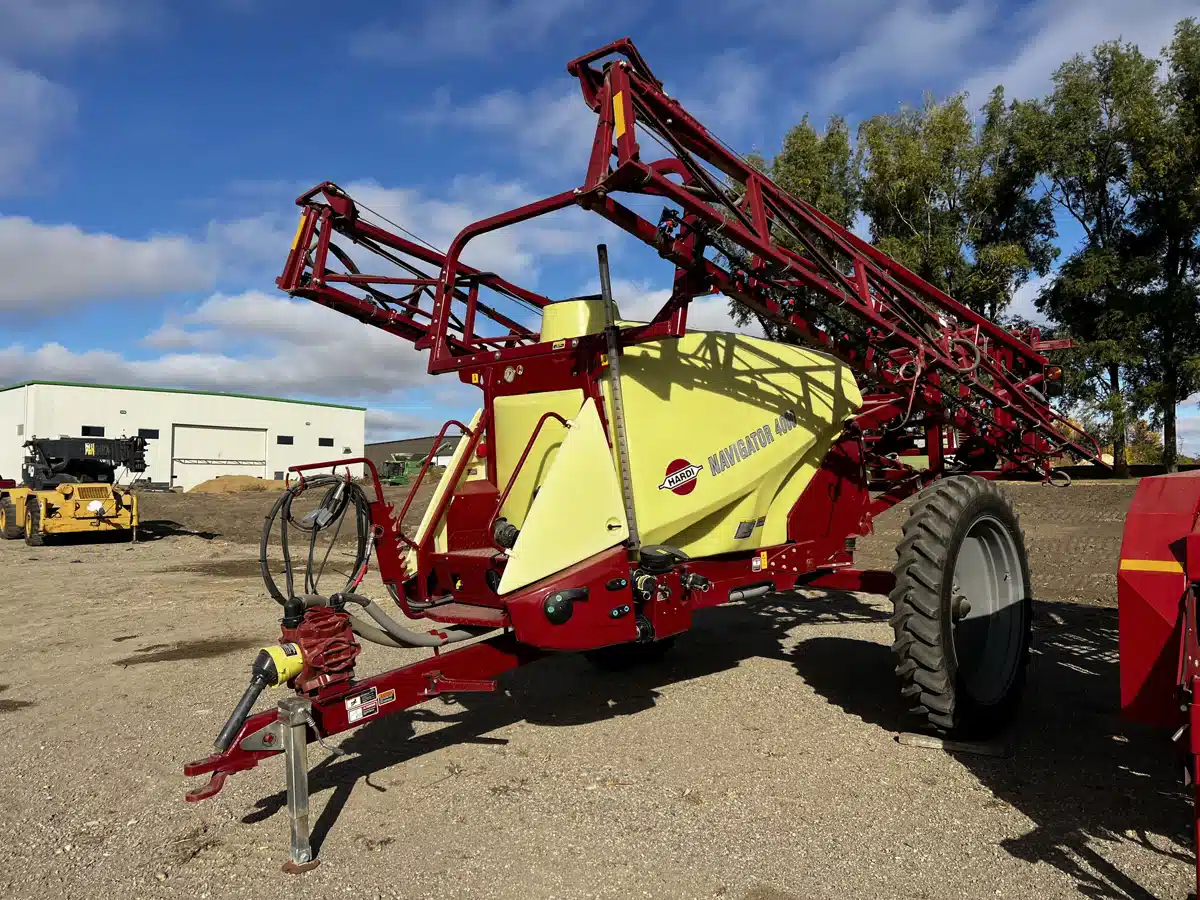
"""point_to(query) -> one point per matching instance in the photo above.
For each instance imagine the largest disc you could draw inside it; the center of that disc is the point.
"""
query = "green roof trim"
(129, 387)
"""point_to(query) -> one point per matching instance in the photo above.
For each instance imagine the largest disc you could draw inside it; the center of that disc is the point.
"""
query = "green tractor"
(401, 468)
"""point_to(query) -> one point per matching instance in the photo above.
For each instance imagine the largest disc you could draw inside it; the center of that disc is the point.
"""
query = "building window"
(283, 439)
(347, 450)
(20, 431)
(150, 434)
(279, 476)
(93, 431)
(325, 442)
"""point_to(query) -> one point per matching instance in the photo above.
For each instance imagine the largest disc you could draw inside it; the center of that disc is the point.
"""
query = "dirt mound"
(238, 517)
(235, 484)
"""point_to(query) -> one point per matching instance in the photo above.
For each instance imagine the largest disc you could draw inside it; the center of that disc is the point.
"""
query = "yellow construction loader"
(70, 488)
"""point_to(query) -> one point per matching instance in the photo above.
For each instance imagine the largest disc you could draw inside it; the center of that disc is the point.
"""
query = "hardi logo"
(681, 477)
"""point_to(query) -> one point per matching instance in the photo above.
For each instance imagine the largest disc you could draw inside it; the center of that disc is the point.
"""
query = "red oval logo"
(680, 477)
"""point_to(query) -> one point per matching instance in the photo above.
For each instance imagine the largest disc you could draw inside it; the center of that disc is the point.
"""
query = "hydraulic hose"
(390, 633)
(341, 495)
(402, 636)
(340, 498)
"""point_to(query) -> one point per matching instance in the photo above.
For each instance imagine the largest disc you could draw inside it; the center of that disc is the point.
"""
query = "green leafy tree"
(954, 200)
(819, 168)
(1078, 138)
(1164, 146)
(1145, 444)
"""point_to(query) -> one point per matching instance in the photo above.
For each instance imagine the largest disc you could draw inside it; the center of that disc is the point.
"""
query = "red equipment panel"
(1151, 583)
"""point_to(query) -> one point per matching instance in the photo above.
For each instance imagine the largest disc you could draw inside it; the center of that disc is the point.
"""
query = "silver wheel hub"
(987, 610)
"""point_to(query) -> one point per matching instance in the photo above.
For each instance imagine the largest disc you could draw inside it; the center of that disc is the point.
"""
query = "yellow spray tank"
(725, 431)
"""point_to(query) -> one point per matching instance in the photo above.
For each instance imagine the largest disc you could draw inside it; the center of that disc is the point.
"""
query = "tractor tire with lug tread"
(963, 607)
(9, 529)
(33, 525)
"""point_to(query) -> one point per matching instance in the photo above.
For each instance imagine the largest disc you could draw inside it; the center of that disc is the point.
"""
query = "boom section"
(729, 228)
(930, 367)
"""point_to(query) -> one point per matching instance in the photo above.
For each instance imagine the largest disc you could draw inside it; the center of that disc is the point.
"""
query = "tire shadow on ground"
(157, 529)
(1079, 772)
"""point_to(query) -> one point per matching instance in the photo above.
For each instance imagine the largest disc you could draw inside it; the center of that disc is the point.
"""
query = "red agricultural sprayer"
(620, 475)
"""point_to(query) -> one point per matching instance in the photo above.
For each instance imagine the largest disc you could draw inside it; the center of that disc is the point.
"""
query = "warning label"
(362, 706)
(387, 697)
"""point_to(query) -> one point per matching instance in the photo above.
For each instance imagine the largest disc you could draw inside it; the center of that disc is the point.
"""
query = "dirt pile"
(238, 517)
(235, 484)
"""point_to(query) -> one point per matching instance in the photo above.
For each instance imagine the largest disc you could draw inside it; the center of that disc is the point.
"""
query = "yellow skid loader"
(70, 488)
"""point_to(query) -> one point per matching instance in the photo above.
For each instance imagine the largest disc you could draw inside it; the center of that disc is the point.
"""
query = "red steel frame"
(1158, 586)
(934, 370)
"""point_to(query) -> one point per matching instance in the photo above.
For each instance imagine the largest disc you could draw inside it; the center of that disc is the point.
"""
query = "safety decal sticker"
(362, 706)
(745, 529)
(387, 697)
(680, 477)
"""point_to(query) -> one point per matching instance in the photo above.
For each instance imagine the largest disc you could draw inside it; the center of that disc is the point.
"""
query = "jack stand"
(294, 715)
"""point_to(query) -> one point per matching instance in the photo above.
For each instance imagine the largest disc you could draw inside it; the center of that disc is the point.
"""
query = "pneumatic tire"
(963, 607)
(33, 525)
(9, 529)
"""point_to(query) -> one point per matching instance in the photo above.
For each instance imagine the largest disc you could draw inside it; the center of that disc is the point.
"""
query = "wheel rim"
(988, 639)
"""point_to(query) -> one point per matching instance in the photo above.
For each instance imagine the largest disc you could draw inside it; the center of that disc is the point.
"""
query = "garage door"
(201, 452)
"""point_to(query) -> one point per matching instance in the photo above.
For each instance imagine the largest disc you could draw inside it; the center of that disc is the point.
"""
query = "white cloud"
(170, 336)
(33, 112)
(915, 45)
(808, 21)
(1052, 32)
(510, 252)
(638, 301)
(269, 344)
(551, 127)
(1022, 303)
(908, 46)
(469, 28)
(728, 96)
(253, 343)
(254, 239)
(47, 25)
(391, 424)
(48, 266)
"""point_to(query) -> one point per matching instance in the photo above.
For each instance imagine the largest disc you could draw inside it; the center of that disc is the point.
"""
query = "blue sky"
(151, 151)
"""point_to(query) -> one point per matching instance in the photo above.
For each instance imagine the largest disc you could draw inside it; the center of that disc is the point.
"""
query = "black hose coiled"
(340, 497)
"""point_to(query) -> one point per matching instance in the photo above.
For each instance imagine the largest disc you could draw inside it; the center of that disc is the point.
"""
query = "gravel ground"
(756, 762)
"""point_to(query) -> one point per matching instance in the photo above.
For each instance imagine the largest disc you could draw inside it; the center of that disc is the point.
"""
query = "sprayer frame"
(955, 373)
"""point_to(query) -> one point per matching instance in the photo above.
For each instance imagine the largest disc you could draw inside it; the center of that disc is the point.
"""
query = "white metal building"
(192, 436)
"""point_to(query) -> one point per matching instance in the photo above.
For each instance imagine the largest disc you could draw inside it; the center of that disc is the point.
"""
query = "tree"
(818, 168)
(1164, 146)
(1078, 139)
(954, 201)
(1145, 444)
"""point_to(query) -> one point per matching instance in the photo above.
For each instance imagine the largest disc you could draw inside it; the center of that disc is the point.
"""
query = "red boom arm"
(929, 364)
